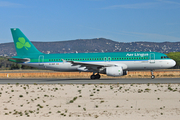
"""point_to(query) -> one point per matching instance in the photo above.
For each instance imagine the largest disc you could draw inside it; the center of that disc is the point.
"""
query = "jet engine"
(115, 71)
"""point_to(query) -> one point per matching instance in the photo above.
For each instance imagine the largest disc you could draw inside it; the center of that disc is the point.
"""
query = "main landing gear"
(97, 76)
(152, 76)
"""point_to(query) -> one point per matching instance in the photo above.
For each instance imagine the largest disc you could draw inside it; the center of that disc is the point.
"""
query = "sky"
(118, 20)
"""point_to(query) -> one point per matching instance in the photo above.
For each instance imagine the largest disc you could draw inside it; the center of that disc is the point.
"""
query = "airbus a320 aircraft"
(111, 64)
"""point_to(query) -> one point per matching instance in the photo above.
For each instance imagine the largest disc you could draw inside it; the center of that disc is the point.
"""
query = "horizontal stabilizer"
(18, 60)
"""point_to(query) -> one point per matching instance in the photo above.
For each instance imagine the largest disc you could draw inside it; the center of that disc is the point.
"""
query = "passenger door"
(41, 60)
(152, 58)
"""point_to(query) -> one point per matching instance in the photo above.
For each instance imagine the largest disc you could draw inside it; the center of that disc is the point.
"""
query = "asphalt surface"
(89, 81)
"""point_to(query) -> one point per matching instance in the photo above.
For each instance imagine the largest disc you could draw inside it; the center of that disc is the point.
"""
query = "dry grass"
(49, 74)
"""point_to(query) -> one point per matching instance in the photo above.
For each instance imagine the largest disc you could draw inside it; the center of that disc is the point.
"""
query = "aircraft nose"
(173, 63)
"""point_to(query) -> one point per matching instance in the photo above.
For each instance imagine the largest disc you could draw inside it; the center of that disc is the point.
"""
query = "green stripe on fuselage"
(93, 57)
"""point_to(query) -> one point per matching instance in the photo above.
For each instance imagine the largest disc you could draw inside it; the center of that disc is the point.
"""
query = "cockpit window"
(164, 57)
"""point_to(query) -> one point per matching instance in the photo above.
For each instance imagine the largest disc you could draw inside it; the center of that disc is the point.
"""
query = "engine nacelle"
(115, 71)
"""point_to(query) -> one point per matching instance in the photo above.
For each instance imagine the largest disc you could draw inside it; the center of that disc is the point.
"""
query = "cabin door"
(41, 60)
(152, 58)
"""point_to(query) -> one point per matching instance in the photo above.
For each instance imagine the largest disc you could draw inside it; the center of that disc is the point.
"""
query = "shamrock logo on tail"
(22, 43)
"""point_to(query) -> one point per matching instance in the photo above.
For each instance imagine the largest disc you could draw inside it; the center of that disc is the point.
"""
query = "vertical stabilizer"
(22, 44)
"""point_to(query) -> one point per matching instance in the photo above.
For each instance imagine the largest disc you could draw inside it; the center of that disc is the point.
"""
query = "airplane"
(112, 63)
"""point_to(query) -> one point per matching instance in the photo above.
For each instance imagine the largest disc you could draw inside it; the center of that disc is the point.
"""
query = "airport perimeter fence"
(176, 67)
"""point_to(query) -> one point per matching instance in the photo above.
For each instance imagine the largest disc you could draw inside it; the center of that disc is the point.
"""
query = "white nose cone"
(173, 63)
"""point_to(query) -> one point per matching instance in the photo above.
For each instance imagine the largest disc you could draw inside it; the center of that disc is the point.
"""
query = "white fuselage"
(127, 65)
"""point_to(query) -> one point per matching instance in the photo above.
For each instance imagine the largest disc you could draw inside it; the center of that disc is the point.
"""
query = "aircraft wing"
(90, 66)
(83, 64)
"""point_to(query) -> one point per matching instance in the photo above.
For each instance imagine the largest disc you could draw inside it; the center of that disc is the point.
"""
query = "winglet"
(63, 60)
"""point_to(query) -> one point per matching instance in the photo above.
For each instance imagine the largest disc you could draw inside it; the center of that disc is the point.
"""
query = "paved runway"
(89, 81)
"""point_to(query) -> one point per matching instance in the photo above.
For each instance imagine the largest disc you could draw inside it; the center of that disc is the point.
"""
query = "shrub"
(20, 95)
(6, 114)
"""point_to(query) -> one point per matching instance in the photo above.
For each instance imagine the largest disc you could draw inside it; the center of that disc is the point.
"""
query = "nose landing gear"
(97, 76)
(152, 76)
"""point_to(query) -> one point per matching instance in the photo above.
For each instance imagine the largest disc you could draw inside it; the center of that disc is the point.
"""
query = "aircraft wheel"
(93, 77)
(152, 77)
(98, 76)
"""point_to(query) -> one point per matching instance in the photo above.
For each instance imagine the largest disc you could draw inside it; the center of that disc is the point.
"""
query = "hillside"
(94, 45)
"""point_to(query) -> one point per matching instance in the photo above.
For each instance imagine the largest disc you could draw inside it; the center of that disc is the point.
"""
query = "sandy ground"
(90, 101)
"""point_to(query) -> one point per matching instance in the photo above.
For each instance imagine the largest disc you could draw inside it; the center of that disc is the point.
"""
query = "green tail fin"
(22, 44)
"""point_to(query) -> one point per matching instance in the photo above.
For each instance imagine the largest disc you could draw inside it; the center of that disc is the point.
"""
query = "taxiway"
(89, 81)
